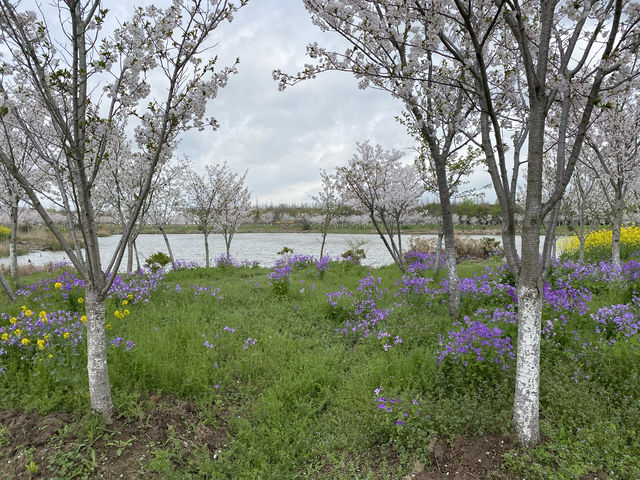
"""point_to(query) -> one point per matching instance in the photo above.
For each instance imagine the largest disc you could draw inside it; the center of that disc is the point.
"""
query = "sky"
(284, 138)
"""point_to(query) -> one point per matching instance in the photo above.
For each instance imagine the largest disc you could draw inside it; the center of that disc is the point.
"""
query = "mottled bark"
(616, 224)
(207, 262)
(99, 386)
(527, 387)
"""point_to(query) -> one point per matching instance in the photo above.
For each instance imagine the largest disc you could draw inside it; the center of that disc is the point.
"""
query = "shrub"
(157, 261)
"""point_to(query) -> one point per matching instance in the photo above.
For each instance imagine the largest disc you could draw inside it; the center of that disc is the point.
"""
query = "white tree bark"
(99, 386)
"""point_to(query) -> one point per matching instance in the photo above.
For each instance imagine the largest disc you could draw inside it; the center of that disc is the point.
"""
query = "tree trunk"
(206, 249)
(325, 231)
(129, 256)
(166, 241)
(7, 287)
(616, 227)
(135, 249)
(581, 237)
(529, 286)
(439, 249)
(13, 243)
(99, 386)
(449, 238)
(527, 388)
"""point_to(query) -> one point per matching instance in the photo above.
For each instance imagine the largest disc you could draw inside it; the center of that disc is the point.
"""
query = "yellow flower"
(81, 300)
(57, 285)
(46, 337)
(41, 344)
(25, 341)
(42, 314)
(130, 296)
(23, 308)
(126, 312)
(28, 313)
(108, 326)
(50, 355)
(83, 319)
(17, 332)
(125, 302)
(66, 335)
(13, 320)
(5, 336)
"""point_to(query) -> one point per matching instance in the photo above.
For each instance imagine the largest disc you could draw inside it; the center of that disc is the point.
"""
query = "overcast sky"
(284, 138)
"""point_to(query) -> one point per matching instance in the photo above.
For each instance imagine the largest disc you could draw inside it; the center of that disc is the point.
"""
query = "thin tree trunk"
(13, 243)
(7, 287)
(166, 241)
(206, 249)
(135, 250)
(616, 227)
(449, 238)
(439, 249)
(581, 237)
(129, 256)
(99, 386)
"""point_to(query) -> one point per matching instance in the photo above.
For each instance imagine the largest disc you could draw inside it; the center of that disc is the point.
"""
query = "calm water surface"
(262, 247)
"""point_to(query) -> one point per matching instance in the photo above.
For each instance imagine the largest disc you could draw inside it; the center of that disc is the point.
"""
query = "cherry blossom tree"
(202, 192)
(167, 201)
(613, 156)
(526, 67)
(392, 48)
(233, 205)
(329, 201)
(375, 181)
(85, 81)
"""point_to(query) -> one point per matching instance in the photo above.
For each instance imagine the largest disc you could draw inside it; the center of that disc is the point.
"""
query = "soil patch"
(56, 446)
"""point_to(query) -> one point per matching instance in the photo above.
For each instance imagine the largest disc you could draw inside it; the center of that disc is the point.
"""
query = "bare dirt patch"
(120, 451)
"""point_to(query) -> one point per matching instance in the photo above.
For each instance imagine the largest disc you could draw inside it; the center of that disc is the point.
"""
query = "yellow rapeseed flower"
(66, 335)
(83, 319)
(42, 314)
(25, 341)
(28, 313)
(57, 285)
(108, 326)
(130, 296)
(51, 355)
(23, 308)
(40, 344)
(81, 300)
(126, 312)
(17, 332)
(13, 320)
(5, 336)
(125, 302)
(46, 337)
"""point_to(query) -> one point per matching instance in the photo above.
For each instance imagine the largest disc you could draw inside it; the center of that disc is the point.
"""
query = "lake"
(262, 247)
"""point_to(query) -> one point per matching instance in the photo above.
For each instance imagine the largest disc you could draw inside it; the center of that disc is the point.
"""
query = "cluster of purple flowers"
(477, 341)
(322, 264)
(66, 282)
(361, 307)
(564, 297)
(212, 292)
(620, 318)
(115, 343)
(419, 262)
(280, 272)
(185, 265)
(401, 411)
(211, 344)
(225, 260)
(139, 285)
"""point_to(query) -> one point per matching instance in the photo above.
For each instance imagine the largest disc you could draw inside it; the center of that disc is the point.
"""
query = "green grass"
(300, 402)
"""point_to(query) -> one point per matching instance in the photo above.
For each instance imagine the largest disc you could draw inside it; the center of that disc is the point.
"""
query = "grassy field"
(343, 373)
